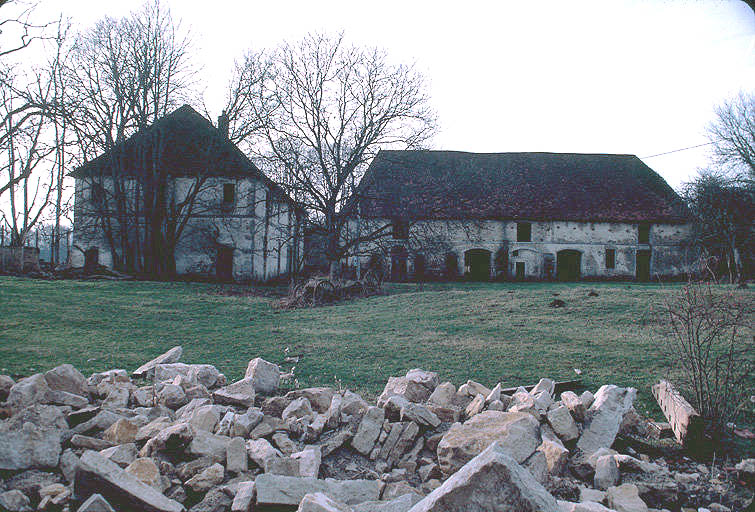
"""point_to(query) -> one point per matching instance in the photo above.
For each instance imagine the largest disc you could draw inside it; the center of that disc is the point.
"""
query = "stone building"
(520, 216)
(230, 220)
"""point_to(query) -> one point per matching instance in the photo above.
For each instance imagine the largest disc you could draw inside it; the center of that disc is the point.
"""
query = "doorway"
(224, 263)
(477, 264)
(91, 257)
(568, 265)
(643, 265)
(399, 256)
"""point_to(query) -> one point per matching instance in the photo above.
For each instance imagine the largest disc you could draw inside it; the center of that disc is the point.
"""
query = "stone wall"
(671, 252)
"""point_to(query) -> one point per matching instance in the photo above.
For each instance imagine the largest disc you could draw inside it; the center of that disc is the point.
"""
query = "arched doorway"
(568, 265)
(398, 263)
(477, 264)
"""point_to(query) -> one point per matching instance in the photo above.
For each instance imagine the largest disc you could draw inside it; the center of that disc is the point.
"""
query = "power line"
(682, 149)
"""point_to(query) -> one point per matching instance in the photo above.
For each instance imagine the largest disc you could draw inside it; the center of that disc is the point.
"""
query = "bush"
(713, 343)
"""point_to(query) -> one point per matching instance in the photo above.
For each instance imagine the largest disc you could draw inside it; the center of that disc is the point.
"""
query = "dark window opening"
(523, 232)
(520, 270)
(610, 258)
(643, 233)
(229, 193)
(400, 229)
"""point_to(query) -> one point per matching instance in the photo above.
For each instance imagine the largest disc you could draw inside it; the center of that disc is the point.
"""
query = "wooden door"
(643, 265)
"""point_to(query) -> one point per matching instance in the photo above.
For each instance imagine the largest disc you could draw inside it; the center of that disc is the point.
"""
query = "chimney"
(223, 123)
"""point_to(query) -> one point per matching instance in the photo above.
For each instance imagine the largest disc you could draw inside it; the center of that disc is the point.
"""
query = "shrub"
(713, 343)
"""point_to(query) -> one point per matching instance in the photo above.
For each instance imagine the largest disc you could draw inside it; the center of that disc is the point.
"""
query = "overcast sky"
(605, 76)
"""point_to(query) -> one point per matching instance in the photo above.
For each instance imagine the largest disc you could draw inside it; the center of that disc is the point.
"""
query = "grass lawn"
(488, 332)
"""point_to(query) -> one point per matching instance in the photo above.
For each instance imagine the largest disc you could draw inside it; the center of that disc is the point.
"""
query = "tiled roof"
(527, 186)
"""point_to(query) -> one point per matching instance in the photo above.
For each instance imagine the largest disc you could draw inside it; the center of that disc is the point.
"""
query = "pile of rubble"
(172, 437)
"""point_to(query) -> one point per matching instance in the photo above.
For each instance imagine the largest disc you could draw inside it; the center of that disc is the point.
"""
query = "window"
(400, 229)
(523, 232)
(229, 193)
(610, 258)
(643, 233)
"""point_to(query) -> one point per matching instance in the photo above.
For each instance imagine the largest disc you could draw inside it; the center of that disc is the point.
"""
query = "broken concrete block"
(319, 398)
(444, 395)
(562, 422)
(319, 502)
(309, 459)
(400, 504)
(556, 454)
(28, 391)
(244, 499)
(428, 379)
(145, 470)
(604, 417)
(260, 450)
(121, 432)
(123, 454)
(67, 378)
(574, 404)
(147, 370)
(686, 423)
(606, 472)
(409, 389)
(236, 456)
(545, 384)
(239, 393)
(95, 503)
(97, 475)
(298, 408)
(28, 445)
(205, 444)
(475, 406)
(15, 501)
(490, 481)
(368, 431)
(206, 479)
(517, 431)
(625, 497)
(263, 375)
(290, 490)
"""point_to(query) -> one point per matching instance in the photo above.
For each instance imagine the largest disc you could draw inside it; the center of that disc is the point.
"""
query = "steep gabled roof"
(189, 145)
(527, 186)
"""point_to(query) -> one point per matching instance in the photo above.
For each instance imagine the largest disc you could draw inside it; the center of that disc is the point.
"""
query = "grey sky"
(602, 76)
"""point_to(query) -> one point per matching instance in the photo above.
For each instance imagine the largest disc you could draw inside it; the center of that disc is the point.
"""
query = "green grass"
(488, 332)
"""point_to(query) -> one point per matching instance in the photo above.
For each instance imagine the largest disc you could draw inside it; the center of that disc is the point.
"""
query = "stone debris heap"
(172, 437)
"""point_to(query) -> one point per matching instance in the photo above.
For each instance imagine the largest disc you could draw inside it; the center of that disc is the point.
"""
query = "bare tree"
(17, 27)
(733, 135)
(21, 85)
(124, 75)
(316, 113)
(723, 225)
(28, 101)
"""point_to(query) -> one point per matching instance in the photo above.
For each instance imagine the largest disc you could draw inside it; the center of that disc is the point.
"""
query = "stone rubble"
(176, 437)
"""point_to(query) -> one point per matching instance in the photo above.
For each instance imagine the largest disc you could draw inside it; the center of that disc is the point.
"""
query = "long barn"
(521, 216)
